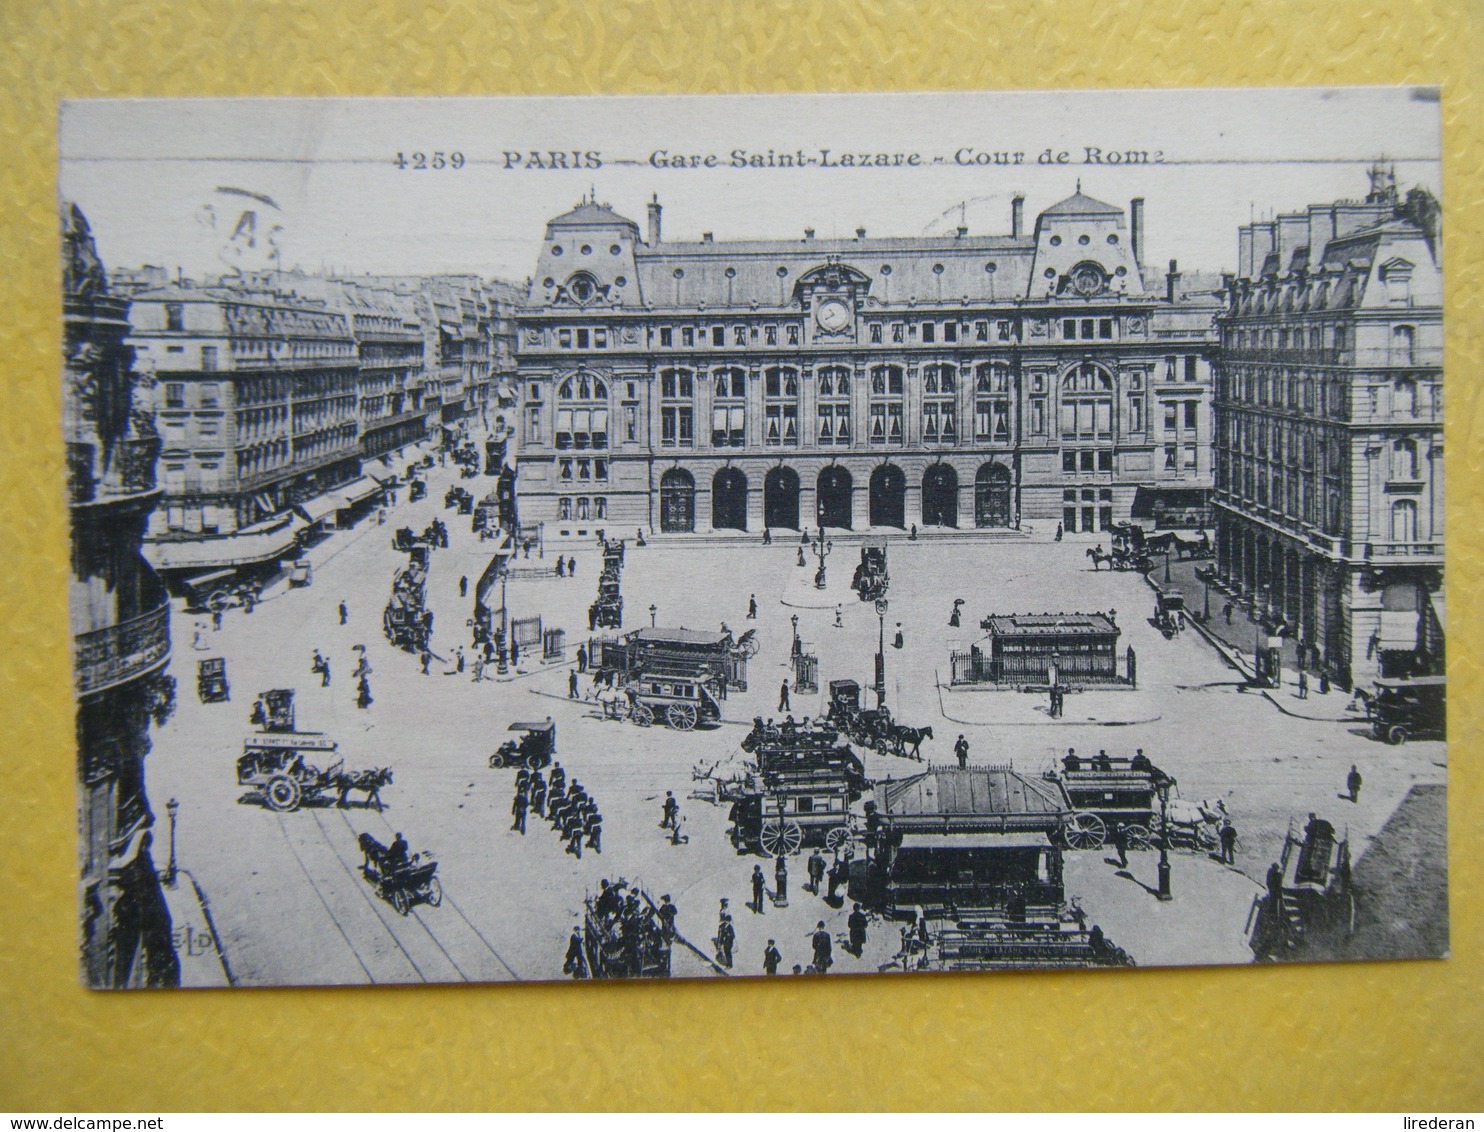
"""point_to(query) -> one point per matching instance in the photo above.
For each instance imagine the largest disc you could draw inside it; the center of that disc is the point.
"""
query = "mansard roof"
(1079, 204)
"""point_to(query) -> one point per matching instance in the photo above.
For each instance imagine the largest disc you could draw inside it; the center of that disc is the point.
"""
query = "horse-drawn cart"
(274, 765)
(871, 576)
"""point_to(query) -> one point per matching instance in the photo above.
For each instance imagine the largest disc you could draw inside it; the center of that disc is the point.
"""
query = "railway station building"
(1329, 431)
(959, 381)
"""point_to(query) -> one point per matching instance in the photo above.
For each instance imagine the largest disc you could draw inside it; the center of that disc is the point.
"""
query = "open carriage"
(866, 727)
(871, 576)
(400, 883)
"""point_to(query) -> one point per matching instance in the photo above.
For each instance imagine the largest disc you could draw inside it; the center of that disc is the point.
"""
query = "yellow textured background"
(1401, 1035)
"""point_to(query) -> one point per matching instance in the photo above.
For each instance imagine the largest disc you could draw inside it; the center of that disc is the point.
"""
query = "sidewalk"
(198, 947)
(1237, 640)
(1006, 707)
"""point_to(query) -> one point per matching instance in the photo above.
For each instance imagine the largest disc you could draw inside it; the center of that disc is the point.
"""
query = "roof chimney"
(963, 230)
(808, 233)
(1017, 216)
(860, 233)
(705, 237)
(1136, 224)
(654, 220)
(1172, 280)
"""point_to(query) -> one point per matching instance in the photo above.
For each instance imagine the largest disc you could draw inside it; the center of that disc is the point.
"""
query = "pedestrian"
(464, 586)
(427, 659)
(783, 704)
(758, 885)
(669, 812)
(518, 809)
(1058, 532)
(676, 837)
(771, 958)
(816, 868)
(897, 643)
(1275, 890)
(581, 658)
(667, 913)
(767, 537)
(216, 620)
(561, 567)
(363, 695)
(726, 938)
(857, 925)
(344, 613)
(572, 686)
(823, 949)
(459, 660)
(571, 567)
(839, 616)
(752, 607)
(514, 652)
(1352, 783)
(1303, 685)
(1120, 842)
(1226, 611)
(780, 880)
(961, 749)
(575, 964)
(801, 557)
(836, 876)
(1228, 842)
(1323, 682)
(592, 617)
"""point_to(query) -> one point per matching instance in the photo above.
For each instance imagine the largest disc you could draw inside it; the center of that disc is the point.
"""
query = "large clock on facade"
(1088, 279)
(832, 315)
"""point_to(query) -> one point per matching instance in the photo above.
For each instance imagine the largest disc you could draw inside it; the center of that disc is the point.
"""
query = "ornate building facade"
(120, 626)
(1329, 424)
(949, 381)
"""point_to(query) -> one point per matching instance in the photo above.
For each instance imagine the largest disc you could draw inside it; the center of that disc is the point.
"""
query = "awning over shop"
(1436, 601)
(943, 841)
(265, 503)
(1398, 630)
(355, 491)
(1147, 500)
(239, 549)
(318, 508)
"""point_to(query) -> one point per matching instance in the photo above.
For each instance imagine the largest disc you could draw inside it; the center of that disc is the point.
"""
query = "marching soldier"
(572, 830)
(594, 828)
(518, 808)
(538, 793)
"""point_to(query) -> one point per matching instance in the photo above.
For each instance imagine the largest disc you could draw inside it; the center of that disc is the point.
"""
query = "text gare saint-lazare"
(820, 158)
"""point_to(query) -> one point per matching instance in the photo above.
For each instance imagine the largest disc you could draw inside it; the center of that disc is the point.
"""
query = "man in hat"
(857, 925)
(771, 958)
(961, 749)
(759, 884)
(823, 949)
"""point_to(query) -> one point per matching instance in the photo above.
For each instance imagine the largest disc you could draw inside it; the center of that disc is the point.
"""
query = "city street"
(290, 905)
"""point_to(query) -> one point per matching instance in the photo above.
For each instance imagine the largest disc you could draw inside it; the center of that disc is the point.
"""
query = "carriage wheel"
(682, 717)
(435, 892)
(642, 715)
(836, 838)
(535, 762)
(1084, 831)
(778, 842)
(1138, 836)
(282, 793)
(497, 760)
(749, 649)
(399, 901)
(1397, 735)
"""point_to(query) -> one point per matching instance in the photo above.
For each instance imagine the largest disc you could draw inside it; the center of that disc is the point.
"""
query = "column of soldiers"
(568, 807)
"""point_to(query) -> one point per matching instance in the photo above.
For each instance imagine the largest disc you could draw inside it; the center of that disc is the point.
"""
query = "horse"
(1099, 557)
(902, 737)
(369, 781)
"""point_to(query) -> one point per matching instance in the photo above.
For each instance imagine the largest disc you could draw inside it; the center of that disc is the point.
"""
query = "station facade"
(1329, 418)
(956, 381)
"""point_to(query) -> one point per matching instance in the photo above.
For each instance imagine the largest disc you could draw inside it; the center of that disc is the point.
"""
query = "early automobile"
(1402, 709)
(211, 680)
(402, 883)
(535, 747)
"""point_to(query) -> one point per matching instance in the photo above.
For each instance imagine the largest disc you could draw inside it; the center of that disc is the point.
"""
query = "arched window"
(582, 412)
(1087, 402)
(781, 406)
(677, 408)
(939, 418)
(729, 409)
(834, 406)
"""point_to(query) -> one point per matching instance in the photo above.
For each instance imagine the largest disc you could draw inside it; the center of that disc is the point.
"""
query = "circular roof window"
(1056, 241)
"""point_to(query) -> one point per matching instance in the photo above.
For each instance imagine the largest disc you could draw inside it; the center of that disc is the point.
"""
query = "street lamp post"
(1164, 839)
(172, 808)
(504, 658)
(653, 609)
(1206, 597)
(1167, 565)
(881, 608)
(794, 651)
(823, 550)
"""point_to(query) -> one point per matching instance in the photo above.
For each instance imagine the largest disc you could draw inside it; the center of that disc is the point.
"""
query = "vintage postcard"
(586, 538)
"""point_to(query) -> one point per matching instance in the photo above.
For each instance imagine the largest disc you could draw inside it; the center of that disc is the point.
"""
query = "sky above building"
(209, 185)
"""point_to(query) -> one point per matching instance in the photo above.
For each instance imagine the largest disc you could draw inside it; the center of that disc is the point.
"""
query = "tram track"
(334, 919)
(453, 906)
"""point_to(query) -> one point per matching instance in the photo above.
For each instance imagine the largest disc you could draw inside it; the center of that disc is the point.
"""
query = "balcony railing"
(122, 652)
